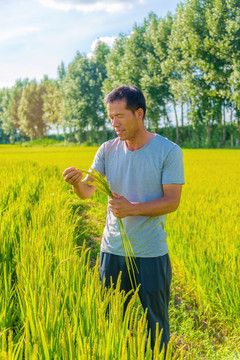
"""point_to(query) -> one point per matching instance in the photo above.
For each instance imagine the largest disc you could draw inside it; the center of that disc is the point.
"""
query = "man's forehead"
(117, 105)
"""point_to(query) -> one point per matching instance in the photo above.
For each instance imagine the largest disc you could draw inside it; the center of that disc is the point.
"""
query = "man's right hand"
(72, 175)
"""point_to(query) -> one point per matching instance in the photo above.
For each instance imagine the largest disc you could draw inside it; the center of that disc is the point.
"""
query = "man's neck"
(139, 142)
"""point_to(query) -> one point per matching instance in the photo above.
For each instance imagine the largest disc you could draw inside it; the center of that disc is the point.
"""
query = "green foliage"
(153, 81)
(187, 65)
(53, 104)
(43, 142)
(113, 65)
(82, 87)
(6, 126)
(30, 111)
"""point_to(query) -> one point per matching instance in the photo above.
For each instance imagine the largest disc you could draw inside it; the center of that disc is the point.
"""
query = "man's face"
(125, 122)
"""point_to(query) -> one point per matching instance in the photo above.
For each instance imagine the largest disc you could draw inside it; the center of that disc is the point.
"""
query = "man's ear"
(140, 114)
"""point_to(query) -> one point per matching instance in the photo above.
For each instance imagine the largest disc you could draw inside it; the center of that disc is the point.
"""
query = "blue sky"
(36, 35)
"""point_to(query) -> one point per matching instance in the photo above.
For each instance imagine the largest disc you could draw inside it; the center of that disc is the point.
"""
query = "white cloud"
(19, 32)
(109, 40)
(86, 6)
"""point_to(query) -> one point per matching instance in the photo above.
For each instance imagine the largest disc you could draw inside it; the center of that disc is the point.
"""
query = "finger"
(68, 170)
(113, 211)
(116, 195)
(76, 178)
(71, 175)
(111, 207)
(112, 202)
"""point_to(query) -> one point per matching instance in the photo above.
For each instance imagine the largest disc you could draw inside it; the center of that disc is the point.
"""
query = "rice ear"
(102, 185)
(99, 182)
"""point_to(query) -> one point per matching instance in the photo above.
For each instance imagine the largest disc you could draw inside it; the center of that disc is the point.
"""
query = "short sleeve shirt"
(139, 176)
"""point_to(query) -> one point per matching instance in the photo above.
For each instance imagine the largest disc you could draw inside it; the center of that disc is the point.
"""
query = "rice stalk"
(101, 184)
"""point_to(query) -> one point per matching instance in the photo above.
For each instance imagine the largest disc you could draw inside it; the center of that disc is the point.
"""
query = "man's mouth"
(119, 132)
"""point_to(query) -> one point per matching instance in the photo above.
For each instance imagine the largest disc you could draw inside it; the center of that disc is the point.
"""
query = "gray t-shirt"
(138, 176)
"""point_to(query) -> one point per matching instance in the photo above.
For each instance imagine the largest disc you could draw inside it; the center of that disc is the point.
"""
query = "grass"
(51, 298)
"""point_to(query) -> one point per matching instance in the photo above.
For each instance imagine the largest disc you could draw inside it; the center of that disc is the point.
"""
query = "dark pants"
(155, 278)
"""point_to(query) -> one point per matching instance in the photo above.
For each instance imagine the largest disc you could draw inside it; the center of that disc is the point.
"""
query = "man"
(145, 172)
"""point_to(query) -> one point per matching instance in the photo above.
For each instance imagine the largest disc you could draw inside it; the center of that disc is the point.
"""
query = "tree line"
(187, 64)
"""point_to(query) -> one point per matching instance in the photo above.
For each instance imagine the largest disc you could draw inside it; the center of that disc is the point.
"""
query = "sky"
(37, 35)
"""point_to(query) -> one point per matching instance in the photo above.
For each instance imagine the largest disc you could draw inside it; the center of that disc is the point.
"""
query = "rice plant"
(101, 184)
(52, 303)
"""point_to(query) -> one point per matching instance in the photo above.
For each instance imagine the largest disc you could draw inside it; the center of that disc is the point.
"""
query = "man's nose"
(115, 122)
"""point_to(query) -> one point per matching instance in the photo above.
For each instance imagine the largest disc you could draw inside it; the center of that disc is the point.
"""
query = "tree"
(134, 59)
(53, 103)
(6, 127)
(61, 73)
(82, 88)
(16, 94)
(231, 44)
(101, 52)
(186, 66)
(153, 82)
(114, 75)
(30, 111)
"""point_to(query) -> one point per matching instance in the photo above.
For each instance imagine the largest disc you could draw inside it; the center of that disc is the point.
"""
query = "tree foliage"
(187, 65)
(82, 87)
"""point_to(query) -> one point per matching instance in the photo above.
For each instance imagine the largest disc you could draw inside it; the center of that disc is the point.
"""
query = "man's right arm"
(74, 178)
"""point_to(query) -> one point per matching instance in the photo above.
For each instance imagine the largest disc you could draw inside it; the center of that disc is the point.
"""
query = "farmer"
(145, 172)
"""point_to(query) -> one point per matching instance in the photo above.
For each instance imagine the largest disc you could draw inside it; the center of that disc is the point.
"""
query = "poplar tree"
(134, 59)
(114, 74)
(53, 104)
(30, 111)
(82, 88)
(6, 127)
(153, 82)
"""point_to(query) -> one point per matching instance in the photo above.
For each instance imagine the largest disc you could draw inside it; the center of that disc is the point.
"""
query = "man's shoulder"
(112, 143)
(164, 140)
(165, 144)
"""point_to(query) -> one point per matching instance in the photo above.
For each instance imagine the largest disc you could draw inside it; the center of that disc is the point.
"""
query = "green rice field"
(52, 304)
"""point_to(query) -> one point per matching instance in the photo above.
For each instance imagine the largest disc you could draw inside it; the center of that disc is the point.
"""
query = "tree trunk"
(238, 136)
(104, 134)
(219, 145)
(189, 132)
(189, 124)
(166, 132)
(168, 125)
(58, 138)
(157, 124)
(182, 128)
(209, 133)
(224, 125)
(176, 118)
(91, 132)
(231, 122)
(71, 133)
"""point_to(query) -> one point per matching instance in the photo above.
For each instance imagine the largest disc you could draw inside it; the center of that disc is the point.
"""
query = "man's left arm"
(121, 207)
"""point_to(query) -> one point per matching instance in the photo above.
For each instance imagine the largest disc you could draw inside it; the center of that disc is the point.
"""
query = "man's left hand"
(120, 206)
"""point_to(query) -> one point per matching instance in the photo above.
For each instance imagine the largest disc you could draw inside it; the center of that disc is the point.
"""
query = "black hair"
(134, 97)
